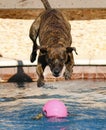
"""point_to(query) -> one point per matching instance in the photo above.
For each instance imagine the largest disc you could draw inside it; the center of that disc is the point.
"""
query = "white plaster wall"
(4, 4)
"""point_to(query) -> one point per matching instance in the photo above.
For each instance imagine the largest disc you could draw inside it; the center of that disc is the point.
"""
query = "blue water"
(81, 119)
(16, 112)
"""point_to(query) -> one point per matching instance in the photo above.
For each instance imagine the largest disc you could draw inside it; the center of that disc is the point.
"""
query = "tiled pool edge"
(13, 70)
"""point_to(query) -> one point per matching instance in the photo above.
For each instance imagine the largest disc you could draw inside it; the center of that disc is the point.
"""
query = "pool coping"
(13, 62)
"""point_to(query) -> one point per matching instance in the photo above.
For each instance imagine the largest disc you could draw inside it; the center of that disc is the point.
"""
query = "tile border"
(28, 73)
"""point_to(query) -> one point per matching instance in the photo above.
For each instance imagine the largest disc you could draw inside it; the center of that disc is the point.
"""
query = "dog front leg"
(69, 67)
(40, 69)
(33, 34)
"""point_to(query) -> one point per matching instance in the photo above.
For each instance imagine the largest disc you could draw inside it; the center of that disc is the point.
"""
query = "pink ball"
(55, 108)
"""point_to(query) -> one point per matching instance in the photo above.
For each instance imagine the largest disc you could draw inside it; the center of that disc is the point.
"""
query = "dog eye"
(62, 59)
(49, 60)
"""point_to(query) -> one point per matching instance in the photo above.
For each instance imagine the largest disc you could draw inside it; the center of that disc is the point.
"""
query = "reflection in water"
(5, 99)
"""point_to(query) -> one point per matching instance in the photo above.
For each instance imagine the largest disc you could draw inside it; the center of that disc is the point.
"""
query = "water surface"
(85, 100)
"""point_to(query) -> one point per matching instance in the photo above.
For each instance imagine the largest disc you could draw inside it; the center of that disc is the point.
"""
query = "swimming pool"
(85, 100)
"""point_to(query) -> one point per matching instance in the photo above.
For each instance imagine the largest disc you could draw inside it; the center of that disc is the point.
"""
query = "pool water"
(85, 100)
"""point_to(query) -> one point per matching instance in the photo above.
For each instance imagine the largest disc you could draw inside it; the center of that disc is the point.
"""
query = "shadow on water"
(20, 77)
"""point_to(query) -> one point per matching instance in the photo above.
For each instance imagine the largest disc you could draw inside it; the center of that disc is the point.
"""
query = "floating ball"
(55, 108)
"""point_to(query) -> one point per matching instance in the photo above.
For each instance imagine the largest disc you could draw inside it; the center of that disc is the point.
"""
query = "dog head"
(57, 57)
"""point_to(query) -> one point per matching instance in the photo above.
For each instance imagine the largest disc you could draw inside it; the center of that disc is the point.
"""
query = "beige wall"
(55, 4)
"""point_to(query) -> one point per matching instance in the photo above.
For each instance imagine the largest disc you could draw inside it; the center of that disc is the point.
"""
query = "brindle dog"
(55, 43)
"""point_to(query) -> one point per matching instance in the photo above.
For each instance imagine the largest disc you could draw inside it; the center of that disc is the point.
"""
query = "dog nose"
(56, 72)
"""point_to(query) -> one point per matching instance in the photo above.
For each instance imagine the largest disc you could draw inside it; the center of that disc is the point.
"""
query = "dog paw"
(40, 84)
(67, 76)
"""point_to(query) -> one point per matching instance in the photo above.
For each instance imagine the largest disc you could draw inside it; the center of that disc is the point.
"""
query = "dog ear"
(70, 49)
